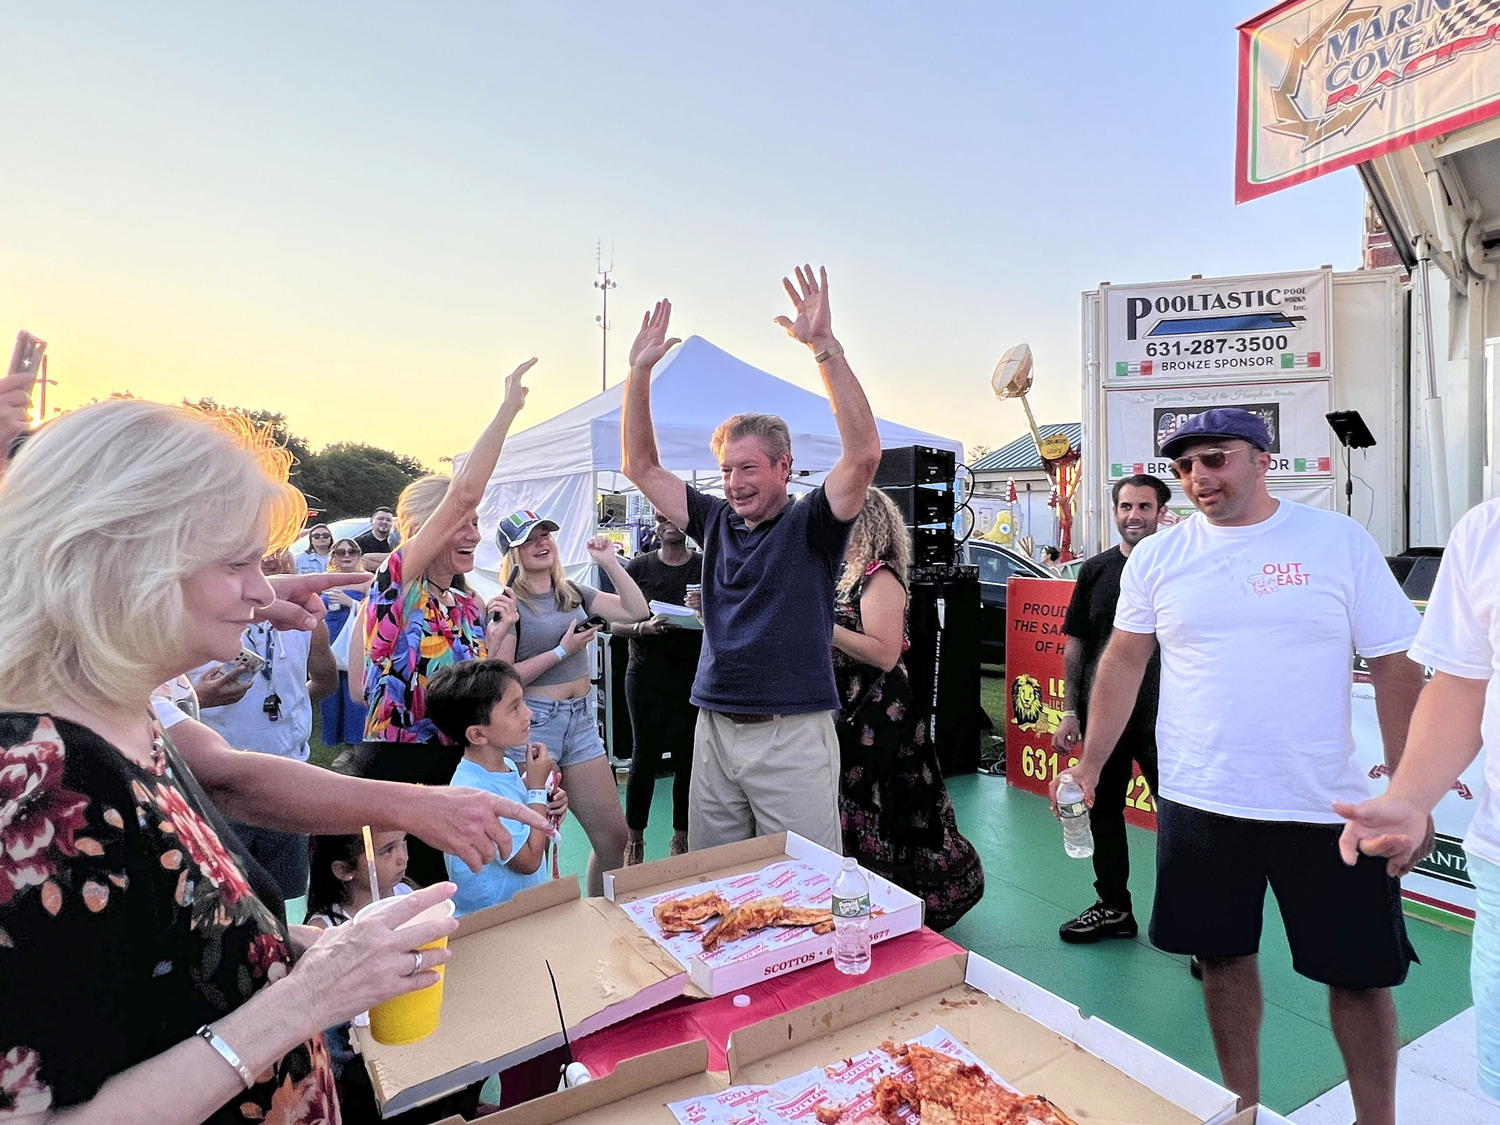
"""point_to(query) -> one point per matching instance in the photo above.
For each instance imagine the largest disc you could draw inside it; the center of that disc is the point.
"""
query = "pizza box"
(498, 1007)
(1035, 1040)
(784, 863)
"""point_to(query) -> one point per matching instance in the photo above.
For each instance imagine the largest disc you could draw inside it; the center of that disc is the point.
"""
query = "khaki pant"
(757, 779)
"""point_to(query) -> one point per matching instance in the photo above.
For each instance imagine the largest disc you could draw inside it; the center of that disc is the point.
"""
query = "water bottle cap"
(850, 863)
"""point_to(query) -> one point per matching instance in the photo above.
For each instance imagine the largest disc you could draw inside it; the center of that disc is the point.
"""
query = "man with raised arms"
(765, 754)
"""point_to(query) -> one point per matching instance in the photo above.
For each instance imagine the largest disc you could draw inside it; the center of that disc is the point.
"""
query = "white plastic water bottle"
(1078, 837)
(851, 920)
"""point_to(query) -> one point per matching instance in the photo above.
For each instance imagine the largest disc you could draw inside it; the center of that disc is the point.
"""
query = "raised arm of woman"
(627, 603)
(468, 484)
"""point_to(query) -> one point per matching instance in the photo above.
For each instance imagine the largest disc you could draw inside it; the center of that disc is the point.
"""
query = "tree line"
(345, 478)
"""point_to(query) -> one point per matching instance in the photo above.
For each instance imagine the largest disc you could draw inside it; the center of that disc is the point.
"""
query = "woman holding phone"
(420, 617)
(548, 622)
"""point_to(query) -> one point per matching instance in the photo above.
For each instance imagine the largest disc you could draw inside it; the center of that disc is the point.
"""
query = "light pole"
(604, 285)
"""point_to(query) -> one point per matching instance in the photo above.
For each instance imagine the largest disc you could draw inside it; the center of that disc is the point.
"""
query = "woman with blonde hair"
(549, 622)
(895, 811)
(420, 617)
(136, 941)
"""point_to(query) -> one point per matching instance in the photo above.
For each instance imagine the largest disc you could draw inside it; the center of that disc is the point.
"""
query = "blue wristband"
(561, 653)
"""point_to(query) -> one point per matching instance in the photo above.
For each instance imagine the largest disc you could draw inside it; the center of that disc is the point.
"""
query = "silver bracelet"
(226, 1052)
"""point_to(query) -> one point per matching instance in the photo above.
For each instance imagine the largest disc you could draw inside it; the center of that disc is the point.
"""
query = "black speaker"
(932, 546)
(951, 713)
(911, 465)
(922, 505)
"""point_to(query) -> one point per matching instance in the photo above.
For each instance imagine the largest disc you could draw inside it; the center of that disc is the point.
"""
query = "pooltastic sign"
(1324, 84)
(1224, 329)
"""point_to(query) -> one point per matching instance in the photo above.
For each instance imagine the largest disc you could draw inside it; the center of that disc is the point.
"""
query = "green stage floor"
(1032, 888)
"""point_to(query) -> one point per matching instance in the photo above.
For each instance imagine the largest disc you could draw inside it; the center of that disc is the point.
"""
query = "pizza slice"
(819, 918)
(685, 915)
(742, 920)
(952, 1092)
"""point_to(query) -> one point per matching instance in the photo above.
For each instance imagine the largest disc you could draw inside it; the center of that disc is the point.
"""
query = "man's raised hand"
(814, 325)
(651, 341)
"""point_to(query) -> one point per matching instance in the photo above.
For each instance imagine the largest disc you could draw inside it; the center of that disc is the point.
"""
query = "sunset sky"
(364, 215)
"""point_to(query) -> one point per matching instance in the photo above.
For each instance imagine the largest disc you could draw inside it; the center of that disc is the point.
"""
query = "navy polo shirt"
(768, 594)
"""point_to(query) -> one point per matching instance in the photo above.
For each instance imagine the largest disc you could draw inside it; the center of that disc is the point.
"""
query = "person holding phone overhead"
(420, 617)
(546, 623)
(15, 395)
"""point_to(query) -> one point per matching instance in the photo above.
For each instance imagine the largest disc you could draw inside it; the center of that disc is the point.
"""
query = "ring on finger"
(416, 963)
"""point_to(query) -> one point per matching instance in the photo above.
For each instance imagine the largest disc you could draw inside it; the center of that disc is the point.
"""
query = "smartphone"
(594, 622)
(248, 662)
(27, 355)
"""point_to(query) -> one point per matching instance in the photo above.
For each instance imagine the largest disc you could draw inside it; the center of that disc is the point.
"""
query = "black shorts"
(1344, 924)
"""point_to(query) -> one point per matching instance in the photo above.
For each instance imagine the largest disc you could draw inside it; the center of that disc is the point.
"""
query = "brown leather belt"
(747, 720)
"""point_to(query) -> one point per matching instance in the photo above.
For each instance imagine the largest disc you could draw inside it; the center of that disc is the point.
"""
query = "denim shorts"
(1484, 971)
(568, 728)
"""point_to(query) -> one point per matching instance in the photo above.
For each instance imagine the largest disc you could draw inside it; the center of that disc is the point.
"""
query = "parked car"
(997, 565)
(351, 528)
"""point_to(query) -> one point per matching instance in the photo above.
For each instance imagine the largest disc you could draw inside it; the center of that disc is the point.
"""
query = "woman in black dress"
(897, 816)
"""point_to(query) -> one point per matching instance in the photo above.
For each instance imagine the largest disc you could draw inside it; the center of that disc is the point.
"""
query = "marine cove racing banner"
(1136, 423)
(1219, 329)
(1324, 84)
(1036, 690)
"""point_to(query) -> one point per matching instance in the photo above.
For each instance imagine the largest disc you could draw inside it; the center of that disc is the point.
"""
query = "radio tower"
(604, 285)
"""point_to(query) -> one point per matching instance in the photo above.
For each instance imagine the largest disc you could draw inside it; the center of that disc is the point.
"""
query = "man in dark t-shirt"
(765, 754)
(1138, 505)
(380, 540)
(659, 684)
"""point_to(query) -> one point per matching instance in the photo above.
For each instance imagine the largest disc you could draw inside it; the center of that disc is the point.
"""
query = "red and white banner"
(1036, 693)
(1324, 84)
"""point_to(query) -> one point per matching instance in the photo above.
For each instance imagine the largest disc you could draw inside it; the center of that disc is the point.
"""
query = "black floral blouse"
(125, 925)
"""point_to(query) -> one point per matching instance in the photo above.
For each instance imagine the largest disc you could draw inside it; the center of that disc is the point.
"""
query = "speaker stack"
(943, 611)
(920, 480)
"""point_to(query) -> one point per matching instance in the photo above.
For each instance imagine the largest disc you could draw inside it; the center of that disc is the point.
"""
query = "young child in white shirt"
(479, 704)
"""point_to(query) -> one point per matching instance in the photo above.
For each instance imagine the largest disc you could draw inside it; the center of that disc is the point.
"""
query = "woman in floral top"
(420, 617)
(136, 940)
(897, 816)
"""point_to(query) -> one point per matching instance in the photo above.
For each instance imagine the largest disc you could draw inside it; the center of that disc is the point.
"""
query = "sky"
(364, 215)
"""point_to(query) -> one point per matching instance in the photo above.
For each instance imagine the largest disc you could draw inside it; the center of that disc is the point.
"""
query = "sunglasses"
(1210, 459)
(345, 553)
(320, 535)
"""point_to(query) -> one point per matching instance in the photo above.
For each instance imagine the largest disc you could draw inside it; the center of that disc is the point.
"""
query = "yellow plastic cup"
(412, 1015)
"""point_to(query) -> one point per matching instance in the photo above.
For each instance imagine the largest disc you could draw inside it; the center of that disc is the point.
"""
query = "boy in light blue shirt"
(479, 704)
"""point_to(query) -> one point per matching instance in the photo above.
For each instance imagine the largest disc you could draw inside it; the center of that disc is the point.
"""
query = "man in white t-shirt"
(1258, 606)
(1458, 712)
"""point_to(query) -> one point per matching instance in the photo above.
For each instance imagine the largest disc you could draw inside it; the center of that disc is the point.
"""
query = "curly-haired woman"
(896, 814)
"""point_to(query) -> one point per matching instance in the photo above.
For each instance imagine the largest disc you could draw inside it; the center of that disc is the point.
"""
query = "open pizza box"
(498, 1007)
(1036, 1041)
(786, 864)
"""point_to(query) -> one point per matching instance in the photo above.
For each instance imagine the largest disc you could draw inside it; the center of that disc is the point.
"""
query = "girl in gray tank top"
(545, 612)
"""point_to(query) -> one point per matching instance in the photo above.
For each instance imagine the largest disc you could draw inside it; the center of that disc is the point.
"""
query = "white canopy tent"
(558, 467)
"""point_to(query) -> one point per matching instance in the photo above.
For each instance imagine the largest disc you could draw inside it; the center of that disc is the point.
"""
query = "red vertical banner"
(1036, 693)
